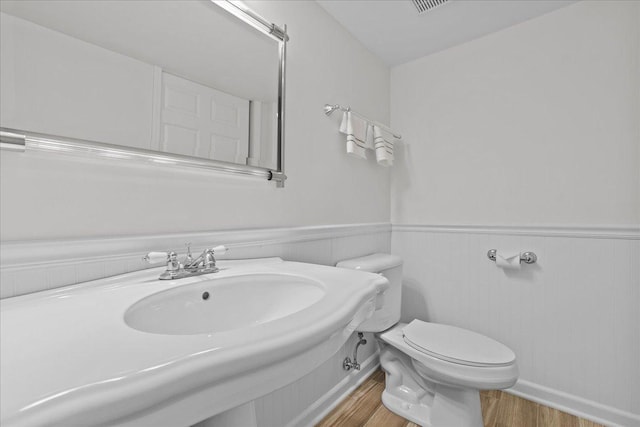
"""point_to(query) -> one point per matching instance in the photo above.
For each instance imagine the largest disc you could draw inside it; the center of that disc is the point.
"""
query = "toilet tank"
(387, 311)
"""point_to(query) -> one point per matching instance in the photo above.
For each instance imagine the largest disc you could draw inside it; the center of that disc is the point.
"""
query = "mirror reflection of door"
(199, 121)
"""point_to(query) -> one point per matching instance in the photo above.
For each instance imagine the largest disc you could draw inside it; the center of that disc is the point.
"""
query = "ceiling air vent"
(426, 5)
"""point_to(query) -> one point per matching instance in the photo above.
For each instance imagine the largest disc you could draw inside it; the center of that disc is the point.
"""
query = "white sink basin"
(223, 304)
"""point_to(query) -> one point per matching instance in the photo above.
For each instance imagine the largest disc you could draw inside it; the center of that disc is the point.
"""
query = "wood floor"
(363, 408)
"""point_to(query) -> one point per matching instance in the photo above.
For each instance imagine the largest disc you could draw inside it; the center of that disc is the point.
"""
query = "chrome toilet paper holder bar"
(526, 257)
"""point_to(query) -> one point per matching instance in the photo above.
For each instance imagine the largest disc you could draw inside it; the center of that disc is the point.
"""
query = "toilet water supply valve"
(347, 364)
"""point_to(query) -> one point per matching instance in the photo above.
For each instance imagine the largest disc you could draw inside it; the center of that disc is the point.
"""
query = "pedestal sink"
(133, 350)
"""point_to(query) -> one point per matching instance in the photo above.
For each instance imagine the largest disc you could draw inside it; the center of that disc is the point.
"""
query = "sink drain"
(205, 296)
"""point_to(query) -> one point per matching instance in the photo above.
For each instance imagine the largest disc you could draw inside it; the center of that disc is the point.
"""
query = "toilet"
(433, 372)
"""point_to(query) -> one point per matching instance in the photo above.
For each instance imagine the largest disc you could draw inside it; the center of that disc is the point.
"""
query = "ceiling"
(394, 31)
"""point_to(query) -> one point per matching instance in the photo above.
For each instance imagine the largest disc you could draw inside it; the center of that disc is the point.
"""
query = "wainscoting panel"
(27, 267)
(572, 318)
(306, 401)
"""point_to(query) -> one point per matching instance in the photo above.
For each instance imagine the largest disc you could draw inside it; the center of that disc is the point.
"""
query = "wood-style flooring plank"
(356, 410)
(507, 412)
(586, 423)
(568, 420)
(548, 417)
(526, 412)
(378, 376)
(489, 406)
(491, 393)
(383, 417)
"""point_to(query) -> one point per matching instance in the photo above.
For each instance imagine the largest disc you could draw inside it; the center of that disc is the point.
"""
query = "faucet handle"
(220, 250)
(156, 257)
(208, 256)
(189, 259)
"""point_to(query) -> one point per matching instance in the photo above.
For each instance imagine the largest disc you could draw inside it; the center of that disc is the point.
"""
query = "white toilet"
(433, 372)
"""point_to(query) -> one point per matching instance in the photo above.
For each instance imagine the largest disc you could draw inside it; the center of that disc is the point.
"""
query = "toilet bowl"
(433, 372)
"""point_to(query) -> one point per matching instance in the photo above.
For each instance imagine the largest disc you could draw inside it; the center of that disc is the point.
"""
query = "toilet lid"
(456, 345)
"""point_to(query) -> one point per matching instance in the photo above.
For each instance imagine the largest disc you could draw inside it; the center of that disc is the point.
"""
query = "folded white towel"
(356, 131)
(383, 143)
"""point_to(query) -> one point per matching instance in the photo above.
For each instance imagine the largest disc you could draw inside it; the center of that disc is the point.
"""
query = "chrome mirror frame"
(21, 140)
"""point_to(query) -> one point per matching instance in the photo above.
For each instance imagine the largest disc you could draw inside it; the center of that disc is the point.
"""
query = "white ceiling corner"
(394, 31)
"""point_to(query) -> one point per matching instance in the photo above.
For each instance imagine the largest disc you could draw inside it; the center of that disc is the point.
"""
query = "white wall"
(535, 124)
(44, 196)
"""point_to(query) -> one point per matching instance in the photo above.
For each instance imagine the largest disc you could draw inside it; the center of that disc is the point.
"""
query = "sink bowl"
(223, 304)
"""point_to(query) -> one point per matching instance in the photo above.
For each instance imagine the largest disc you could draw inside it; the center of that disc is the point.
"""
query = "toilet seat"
(456, 345)
(452, 373)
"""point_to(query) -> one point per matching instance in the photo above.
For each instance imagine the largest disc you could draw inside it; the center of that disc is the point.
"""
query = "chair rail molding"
(32, 266)
(36, 252)
(631, 232)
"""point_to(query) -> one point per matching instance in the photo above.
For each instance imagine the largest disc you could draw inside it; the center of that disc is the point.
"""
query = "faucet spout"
(204, 264)
(205, 261)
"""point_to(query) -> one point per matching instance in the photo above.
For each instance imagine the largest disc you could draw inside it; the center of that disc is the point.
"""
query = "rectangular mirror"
(181, 80)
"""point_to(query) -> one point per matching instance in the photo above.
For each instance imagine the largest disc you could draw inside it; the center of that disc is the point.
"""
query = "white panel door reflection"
(199, 121)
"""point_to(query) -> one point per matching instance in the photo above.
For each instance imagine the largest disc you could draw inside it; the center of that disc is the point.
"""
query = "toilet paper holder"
(526, 257)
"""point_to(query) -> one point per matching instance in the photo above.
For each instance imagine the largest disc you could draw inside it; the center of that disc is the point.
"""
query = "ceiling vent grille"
(427, 5)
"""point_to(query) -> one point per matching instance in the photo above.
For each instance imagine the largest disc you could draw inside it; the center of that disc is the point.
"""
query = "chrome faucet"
(204, 264)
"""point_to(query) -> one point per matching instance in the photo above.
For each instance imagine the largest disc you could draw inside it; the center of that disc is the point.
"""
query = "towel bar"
(329, 108)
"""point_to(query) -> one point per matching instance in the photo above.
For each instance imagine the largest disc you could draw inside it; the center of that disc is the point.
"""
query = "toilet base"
(423, 402)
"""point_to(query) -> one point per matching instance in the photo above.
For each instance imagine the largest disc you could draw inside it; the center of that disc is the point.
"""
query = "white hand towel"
(369, 139)
(384, 146)
(356, 131)
(345, 122)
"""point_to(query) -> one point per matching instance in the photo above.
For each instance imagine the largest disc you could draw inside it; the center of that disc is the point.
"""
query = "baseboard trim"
(629, 232)
(574, 405)
(321, 407)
